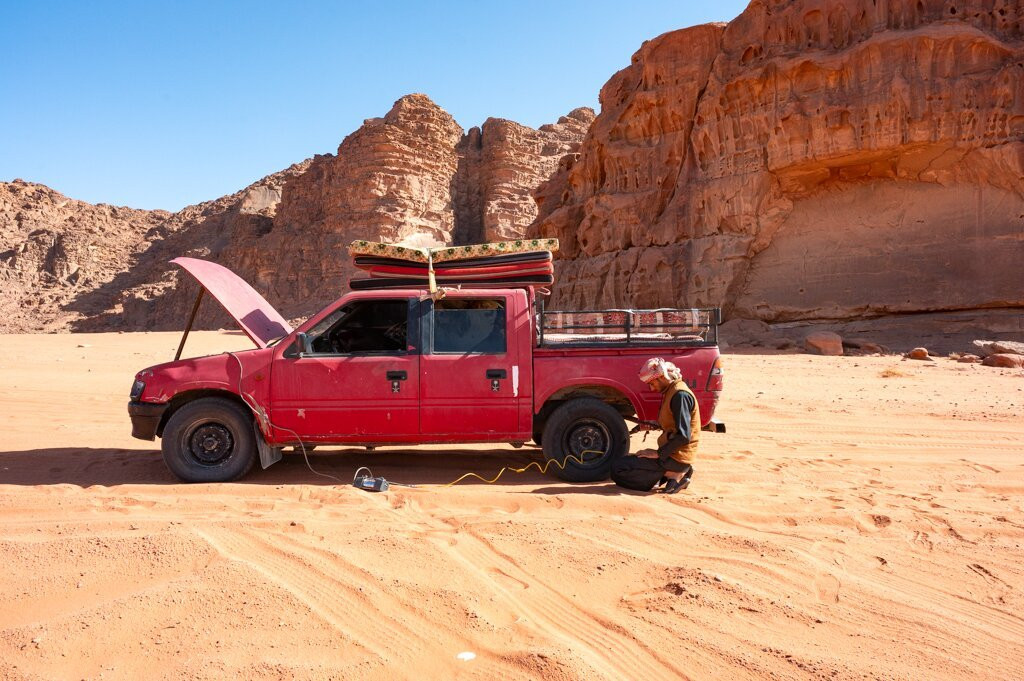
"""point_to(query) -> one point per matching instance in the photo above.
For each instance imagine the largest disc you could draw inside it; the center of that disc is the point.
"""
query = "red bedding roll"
(474, 273)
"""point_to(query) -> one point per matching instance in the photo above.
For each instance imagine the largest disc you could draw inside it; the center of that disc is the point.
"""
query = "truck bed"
(662, 327)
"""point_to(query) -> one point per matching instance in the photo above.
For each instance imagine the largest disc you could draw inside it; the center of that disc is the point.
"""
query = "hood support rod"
(191, 319)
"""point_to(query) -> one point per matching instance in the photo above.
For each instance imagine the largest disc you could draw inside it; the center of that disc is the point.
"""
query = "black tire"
(540, 422)
(210, 440)
(579, 426)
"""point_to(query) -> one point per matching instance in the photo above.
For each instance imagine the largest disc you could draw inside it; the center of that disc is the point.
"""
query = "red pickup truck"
(407, 367)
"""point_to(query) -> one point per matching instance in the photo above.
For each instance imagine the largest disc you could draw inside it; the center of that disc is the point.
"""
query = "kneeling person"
(679, 418)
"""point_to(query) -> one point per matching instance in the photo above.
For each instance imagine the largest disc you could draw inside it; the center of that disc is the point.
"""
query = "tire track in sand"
(322, 586)
(606, 646)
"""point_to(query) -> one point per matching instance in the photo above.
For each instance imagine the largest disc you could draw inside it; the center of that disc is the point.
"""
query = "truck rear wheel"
(209, 440)
(588, 431)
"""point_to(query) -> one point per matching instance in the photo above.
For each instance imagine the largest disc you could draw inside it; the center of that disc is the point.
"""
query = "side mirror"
(305, 344)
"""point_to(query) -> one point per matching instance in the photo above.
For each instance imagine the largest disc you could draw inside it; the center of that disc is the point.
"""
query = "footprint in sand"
(980, 467)
(827, 588)
(981, 570)
(872, 522)
(922, 539)
(502, 576)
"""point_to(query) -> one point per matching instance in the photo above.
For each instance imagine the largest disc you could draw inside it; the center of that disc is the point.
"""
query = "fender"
(590, 381)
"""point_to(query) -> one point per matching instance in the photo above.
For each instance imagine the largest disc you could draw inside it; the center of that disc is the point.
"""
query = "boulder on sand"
(824, 343)
(1004, 360)
(738, 332)
(1008, 347)
(865, 346)
(987, 347)
(919, 353)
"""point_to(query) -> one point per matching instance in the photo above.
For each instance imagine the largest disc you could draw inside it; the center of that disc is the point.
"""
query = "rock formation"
(812, 159)
(502, 163)
(53, 248)
(809, 163)
(411, 176)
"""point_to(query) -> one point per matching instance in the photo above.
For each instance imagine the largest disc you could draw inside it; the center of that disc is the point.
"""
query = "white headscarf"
(656, 367)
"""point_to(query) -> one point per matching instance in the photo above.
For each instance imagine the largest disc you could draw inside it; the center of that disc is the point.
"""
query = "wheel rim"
(588, 440)
(210, 444)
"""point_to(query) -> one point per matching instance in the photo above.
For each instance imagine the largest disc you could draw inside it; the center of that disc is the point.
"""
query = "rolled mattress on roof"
(525, 262)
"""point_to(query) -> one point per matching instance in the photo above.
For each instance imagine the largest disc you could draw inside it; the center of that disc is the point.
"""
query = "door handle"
(495, 376)
(395, 377)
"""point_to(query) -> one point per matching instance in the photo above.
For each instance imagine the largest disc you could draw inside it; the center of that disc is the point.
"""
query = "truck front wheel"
(582, 438)
(209, 440)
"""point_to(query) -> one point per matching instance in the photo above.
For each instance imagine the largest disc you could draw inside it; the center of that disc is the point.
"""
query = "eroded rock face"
(411, 176)
(53, 249)
(390, 180)
(811, 159)
(501, 164)
(149, 293)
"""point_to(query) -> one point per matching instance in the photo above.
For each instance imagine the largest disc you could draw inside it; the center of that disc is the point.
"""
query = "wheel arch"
(186, 396)
(625, 401)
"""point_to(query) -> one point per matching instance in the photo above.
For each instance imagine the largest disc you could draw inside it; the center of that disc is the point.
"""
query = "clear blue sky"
(163, 104)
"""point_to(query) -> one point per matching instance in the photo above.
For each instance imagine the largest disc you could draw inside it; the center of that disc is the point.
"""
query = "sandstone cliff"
(413, 175)
(501, 164)
(811, 159)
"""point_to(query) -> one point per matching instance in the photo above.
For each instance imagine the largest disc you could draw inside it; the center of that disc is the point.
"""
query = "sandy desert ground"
(862, 518)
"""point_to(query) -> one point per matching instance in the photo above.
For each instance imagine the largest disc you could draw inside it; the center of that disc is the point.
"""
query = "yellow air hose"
(543, 469)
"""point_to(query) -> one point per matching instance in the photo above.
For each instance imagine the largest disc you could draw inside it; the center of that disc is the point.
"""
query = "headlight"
(137, 388)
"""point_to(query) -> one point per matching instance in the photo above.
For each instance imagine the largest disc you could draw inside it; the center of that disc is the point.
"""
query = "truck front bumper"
(145, 419)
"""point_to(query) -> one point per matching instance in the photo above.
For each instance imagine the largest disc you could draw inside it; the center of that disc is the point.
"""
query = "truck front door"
(469, 372)
(361, 381)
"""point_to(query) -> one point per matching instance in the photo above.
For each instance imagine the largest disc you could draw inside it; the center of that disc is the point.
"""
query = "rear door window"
(475, 325)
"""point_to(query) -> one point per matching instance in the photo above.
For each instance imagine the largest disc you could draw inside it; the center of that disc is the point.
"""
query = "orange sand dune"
(862, 518)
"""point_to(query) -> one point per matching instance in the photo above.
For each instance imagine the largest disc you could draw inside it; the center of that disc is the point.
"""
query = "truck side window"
(363, 326)
(469, 325)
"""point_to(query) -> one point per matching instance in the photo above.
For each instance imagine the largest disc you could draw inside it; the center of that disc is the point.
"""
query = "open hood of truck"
(254, 315)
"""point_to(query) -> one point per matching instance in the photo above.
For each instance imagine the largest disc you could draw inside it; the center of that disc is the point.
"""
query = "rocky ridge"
(413, 175)
(810, 160)
(52, 248)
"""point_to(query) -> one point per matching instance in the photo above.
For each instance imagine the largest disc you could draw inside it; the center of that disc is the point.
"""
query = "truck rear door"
(470, 370)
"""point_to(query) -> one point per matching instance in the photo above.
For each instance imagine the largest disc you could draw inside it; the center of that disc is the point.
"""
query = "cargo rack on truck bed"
(616, 328)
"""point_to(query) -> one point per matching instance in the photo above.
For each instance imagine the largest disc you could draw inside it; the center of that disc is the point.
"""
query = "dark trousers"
(634, 472)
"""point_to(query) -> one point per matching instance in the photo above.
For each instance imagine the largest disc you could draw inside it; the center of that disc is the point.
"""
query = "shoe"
(673, 486)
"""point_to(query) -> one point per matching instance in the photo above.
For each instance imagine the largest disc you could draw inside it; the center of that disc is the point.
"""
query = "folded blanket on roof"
(446, 253)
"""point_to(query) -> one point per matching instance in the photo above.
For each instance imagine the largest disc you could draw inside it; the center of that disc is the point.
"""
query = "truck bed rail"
(618, 328)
